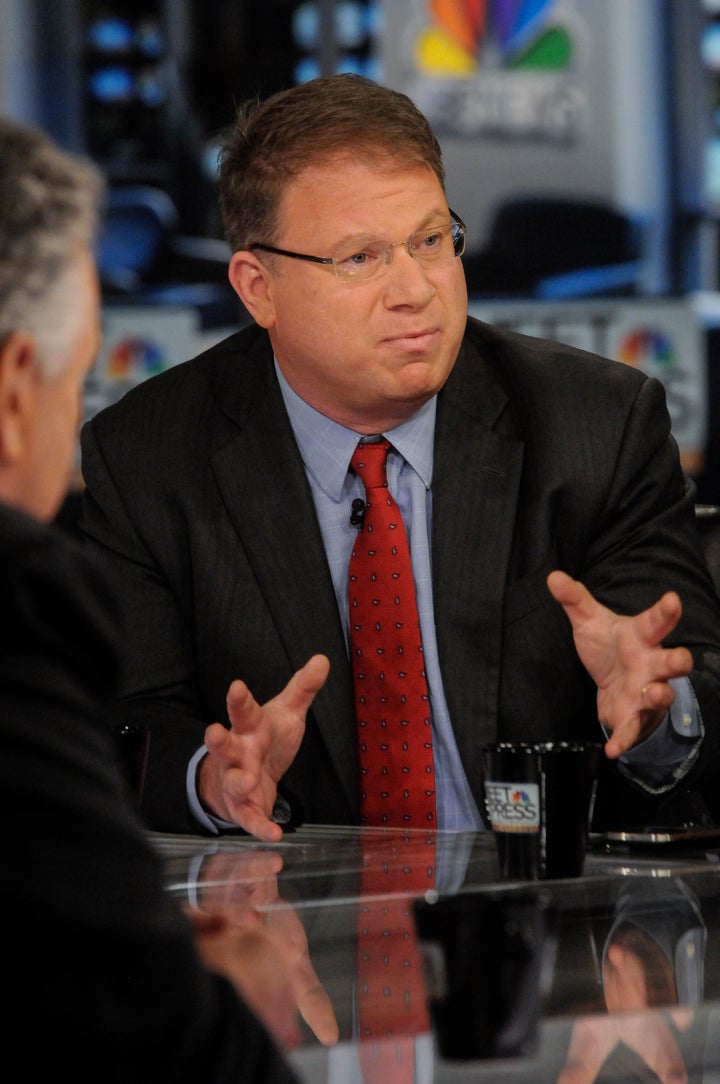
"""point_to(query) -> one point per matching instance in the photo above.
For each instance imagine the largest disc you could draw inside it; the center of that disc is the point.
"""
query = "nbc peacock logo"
(464, 36)
(507, 69)
(133, 358)
(647, 348)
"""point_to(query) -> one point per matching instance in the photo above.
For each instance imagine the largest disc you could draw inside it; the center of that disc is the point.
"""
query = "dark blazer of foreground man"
(103, 977)
(102, 974)
(546, 460)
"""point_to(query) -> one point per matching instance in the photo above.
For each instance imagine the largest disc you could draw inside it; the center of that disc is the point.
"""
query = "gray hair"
(49, 207)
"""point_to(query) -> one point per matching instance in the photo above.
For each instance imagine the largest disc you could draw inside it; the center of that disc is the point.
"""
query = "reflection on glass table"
(628, 990)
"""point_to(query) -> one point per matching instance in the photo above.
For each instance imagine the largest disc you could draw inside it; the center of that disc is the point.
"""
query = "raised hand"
(254, 964)
(243, 886)
(239, 776)
(647, 1033)
(625, 658)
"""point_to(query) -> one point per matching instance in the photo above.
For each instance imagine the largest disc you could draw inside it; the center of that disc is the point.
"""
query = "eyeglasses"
(430, 246)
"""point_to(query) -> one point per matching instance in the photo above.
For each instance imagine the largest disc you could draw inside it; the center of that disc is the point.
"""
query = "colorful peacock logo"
(647, 348)
(466, 35)
(134, 359)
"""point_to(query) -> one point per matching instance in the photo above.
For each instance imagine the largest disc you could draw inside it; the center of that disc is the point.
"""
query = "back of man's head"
(49, 203)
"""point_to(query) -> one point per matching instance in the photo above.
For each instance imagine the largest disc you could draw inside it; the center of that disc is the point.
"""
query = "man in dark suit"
(529, 474)
(106, 978)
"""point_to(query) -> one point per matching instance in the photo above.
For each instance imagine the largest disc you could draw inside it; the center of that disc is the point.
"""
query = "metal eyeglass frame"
(457, 227)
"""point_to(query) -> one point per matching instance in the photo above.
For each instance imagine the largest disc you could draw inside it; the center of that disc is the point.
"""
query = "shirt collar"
(326, 446)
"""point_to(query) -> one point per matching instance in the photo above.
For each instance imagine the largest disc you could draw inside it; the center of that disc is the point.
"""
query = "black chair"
(553, 247)
(144, 259)
(707, 518)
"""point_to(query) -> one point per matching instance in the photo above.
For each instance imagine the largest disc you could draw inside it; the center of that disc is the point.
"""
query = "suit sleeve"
(157, 686)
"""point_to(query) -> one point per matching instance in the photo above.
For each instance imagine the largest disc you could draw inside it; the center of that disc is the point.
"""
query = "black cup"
(539, 797)
(488, 969)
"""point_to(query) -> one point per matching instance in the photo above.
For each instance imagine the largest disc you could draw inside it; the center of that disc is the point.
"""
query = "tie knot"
(369, 462)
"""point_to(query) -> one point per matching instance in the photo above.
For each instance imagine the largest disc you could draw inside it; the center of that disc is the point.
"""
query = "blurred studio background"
(581, 141)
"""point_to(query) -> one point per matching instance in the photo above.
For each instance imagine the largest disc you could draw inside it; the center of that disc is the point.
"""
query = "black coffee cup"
(539, 798)
(488, 968)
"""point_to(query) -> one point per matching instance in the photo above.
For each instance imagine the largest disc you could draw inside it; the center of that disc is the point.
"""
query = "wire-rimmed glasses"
(429, 246)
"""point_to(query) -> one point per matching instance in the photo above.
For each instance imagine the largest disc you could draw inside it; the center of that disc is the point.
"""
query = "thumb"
(573, 596)
(563, 588)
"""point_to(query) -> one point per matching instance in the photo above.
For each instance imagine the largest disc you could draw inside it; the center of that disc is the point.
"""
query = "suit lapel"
(268, 499)
(476, 479)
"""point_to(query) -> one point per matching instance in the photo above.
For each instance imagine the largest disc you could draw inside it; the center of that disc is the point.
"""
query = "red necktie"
(397, 783)
(392, 999)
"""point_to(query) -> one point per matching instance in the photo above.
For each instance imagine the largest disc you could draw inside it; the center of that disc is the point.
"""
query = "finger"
(683, 1017)
(302, 687)
(673, 662)
(660, 619)
(654, 702)
(243, 710)
(317, 1011)
(244, 916)
(563, 588)
(217, 741)
(653, 1040)
(237, 782)
(316, 1007)
(590, 1044)
(618, 744)
(237, 787)
(576, 1074)
(245, 866)
(255, 823)
(628, 734)
(656, 696)
(573, 596)
(206, 922)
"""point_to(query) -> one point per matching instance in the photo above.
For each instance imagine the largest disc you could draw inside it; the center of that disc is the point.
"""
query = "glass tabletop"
(610, 974)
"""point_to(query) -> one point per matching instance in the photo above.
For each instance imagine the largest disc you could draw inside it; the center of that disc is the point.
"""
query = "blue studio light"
(112, 85)
(110, 35)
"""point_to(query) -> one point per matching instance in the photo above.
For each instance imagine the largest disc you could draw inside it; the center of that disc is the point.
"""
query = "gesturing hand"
(244, 886)
(238, 778)
(625, 658)
(255, 966)
(595, 1037)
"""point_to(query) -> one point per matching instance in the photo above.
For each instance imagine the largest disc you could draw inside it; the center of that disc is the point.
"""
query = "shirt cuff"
(282, 810)
(214, 825)
(660, 760)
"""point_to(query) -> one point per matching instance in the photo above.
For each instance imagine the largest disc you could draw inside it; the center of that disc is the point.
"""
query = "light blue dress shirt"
(326, 449)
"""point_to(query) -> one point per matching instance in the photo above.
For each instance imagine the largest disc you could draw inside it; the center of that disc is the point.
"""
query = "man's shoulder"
(225, 361)
(51, 584)
(515, 356)
(25, 540)
(188, 396)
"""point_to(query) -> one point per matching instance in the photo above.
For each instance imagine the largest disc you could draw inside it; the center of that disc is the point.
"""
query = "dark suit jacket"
(99, 967)
(544, 457)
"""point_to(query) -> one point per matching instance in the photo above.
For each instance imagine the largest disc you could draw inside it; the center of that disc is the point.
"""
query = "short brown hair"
(334, 116)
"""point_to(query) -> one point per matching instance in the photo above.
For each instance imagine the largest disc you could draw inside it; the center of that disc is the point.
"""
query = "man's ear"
(253, 284)
(18, 385)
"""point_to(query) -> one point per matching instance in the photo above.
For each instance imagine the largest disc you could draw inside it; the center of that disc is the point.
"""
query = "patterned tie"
(397, 783)
(392, 1001)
